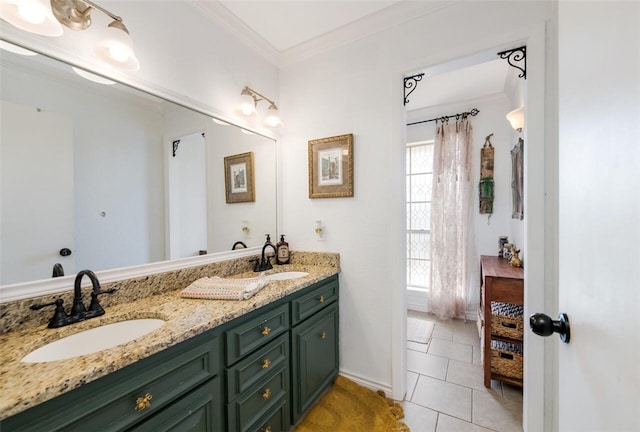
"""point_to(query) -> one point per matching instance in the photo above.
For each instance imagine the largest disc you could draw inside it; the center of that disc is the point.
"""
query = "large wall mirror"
(115, 176)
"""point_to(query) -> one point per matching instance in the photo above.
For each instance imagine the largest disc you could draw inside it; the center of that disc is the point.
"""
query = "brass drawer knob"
(321, 299)
(266, 429)
(323, 335)
(143, 403)
(266, 363)
(265, 331)
(267, 394)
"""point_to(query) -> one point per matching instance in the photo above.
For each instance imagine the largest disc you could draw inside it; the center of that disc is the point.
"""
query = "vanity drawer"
(278, 421)
(109, 403)
(244, 338)
(196, 411)
(256, 366)
(258, 402)
(315, 299)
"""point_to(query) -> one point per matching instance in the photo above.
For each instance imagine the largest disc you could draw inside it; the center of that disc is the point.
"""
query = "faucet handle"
(60, 317)
(267, 264)
(95, 307)
(256, 267)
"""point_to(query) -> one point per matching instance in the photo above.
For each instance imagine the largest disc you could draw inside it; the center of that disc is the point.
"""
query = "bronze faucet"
(78, 311)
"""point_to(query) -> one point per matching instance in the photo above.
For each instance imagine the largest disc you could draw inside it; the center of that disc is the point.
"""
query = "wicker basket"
(507, 320)
(506, 359)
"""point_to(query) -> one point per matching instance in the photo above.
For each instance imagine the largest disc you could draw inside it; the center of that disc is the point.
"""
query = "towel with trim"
(218, 288)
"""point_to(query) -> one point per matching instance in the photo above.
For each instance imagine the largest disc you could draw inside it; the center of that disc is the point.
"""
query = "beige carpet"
(350, 407)
(419, 330)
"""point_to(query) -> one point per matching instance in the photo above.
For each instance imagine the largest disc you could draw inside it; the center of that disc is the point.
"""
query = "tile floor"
(445, 385)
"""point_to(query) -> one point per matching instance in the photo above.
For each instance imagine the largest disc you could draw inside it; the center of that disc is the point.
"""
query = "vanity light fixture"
(516, 118)
(249, 105)
(46, 18)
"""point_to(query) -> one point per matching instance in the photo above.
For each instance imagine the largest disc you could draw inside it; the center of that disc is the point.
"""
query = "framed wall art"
(517, 180)
(238, 178)
(331, 167)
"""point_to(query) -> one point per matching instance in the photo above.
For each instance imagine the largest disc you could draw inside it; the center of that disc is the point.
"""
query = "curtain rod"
(474, 112)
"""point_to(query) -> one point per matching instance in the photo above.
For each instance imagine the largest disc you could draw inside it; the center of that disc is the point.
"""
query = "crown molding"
(215, 11)
(392, 16)
(382, 20)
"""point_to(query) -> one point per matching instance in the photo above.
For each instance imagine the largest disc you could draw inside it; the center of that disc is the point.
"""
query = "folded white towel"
(218, 288)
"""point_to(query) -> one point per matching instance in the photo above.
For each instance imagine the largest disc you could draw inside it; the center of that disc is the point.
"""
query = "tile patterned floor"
(445, 387)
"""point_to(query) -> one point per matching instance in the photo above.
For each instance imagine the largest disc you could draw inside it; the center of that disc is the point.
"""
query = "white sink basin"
(93, 340)
(287, 275)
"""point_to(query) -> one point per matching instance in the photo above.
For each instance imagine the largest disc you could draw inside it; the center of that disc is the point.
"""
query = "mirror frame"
(25, 290)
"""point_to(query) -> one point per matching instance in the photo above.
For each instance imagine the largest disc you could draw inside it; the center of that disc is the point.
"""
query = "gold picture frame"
(331, 167)
(238, 178)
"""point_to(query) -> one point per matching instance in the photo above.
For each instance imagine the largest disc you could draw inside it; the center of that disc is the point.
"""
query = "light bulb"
(32, 11)
(116, 47)
(272, 119)
(34, 16)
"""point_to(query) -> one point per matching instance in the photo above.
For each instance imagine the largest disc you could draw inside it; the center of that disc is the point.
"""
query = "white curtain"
(452, 241)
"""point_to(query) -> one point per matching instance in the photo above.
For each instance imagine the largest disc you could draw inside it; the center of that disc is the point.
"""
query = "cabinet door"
(199, 411)
(314, 357)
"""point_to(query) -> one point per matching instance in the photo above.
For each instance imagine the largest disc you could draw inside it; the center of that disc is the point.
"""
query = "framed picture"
(238, 178)
(517, 180)
(331, 167)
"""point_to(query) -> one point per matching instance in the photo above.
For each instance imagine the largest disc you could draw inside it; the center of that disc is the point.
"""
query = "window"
(419, 168)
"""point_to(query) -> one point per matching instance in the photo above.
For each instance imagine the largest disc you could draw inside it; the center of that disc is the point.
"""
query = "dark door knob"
(543, 325)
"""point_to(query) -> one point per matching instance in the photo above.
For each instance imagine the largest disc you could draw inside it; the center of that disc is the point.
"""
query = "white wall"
(357, 89)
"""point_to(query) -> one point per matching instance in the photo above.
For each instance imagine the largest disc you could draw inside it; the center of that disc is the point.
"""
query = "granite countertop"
(23, 385)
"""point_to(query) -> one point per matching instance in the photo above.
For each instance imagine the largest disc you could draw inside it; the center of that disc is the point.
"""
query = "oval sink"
(93, 340)
(287, 275)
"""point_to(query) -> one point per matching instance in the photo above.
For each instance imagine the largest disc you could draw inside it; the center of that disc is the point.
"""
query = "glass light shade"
(516, 118)
(116, 47)
(34, 16)
(92, 77)
(272, 118)
(247, 105)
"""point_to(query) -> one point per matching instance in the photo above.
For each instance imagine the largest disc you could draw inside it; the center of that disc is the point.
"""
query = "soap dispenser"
(283, 251)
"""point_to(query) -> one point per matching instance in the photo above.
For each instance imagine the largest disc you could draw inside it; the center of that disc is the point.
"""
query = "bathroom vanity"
(252, 365)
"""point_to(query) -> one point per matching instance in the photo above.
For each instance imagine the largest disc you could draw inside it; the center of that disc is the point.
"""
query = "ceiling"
(290, 30)
(285, 24)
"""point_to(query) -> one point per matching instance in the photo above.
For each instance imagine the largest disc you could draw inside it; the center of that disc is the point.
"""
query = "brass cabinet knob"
(266, 363)
(143, 403)
(321, 299)
(323, 335)
(265, 331)
(266, 429)
(267, 394)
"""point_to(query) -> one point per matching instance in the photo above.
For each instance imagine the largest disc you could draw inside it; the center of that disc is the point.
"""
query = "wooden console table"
(503, 285)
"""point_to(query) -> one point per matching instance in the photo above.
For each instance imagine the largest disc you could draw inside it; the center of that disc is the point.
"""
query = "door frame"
(540, 203)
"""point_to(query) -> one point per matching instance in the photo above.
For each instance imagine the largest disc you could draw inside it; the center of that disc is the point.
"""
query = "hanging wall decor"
(486, 186)
(517, 180)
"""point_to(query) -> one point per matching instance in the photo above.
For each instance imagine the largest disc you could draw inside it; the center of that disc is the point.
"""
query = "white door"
(598, 375)
(188, 200)
(36, 173)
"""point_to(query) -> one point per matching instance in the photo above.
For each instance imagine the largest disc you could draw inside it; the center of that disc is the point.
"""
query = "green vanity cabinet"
(187, 370)
(257, 373)
(314, 345)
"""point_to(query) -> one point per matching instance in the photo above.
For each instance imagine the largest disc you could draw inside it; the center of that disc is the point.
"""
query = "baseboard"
(375, 386)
